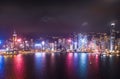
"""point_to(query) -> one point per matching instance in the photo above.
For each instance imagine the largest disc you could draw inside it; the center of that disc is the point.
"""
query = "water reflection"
(83, 63)
(76, 60)
(52, 60)
(69, 66)
(93, 68)
(19, 67)
(39, 64)
(96, 65)
(62, 66)
(69, 61)
(76, 63)
(2, 67)
(39, 60)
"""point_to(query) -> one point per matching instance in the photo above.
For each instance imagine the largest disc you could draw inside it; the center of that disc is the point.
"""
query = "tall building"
(75, 41)
(14, 38)
(112, 37)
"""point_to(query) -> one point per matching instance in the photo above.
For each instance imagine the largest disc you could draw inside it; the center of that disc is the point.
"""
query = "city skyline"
(59, 39)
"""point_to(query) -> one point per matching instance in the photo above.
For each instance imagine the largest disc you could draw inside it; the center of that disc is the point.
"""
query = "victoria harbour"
(59, 66)
(60, 39)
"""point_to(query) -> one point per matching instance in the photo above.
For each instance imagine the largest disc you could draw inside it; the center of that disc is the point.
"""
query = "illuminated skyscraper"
(112, 37)
(75, 41)
(79, 41)
(14, 38)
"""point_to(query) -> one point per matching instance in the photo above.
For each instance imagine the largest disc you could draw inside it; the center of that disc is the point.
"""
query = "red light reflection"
(19, 67)
(93, 64)
(69, 65)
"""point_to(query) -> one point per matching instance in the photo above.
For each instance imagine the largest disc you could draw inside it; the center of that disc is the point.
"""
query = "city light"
(43, 42)
(7, 49)
(83, 40)
(69, 40)
(75, 43)
(19, 40)
(89, 43)
(104, 55)
(26, 41)
(38, 45)
(110, 55)
(113, 24)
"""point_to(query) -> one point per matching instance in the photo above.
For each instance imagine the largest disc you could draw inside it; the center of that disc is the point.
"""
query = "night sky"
(58, 16)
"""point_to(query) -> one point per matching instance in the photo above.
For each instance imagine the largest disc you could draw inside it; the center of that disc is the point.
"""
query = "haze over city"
(58, 16)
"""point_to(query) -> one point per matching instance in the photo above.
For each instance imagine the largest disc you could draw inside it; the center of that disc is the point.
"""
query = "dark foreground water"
(59, 66)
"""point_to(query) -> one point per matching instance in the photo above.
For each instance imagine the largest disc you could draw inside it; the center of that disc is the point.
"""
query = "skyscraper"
(112, 37)
(14, 39)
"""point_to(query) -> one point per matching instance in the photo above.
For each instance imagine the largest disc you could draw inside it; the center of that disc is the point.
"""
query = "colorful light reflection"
(83, 63)
(19, 67)
(2, 67)
(39, 61)
(69, 65)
